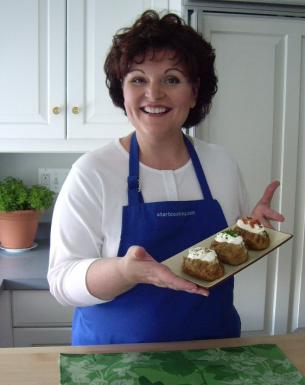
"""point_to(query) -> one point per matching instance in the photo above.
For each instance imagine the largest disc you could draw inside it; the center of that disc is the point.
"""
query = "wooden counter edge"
(285, 340)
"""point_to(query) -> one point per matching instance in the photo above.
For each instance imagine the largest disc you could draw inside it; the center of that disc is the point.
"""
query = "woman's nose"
(154, 91)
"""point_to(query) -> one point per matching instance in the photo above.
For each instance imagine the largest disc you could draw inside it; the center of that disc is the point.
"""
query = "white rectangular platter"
(277, 239)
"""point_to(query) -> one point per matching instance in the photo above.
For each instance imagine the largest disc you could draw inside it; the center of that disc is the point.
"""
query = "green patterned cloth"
(262, 364)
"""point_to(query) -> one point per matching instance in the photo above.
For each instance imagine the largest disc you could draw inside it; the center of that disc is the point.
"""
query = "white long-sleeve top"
(87, 216)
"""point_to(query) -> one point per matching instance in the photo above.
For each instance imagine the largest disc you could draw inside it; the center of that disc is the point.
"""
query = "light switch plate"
(52, 178)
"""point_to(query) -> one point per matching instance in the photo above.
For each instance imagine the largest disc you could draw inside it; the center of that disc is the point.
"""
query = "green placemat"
(262, 364)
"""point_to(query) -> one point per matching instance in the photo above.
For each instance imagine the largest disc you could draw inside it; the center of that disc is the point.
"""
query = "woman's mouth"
(155, 110)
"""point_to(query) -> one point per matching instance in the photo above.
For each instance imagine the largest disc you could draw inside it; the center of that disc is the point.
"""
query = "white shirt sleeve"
(75, 238)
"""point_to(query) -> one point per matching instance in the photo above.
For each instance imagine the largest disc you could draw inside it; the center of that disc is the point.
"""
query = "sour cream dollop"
(251, 225)
(202, 253)
(229, 237)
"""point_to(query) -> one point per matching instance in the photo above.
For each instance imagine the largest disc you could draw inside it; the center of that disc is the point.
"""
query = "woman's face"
(158, 95)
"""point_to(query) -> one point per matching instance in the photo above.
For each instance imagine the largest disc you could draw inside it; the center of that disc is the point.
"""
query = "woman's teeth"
(155, 110)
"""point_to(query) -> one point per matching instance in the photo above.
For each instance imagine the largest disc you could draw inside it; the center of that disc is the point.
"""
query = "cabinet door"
(256, 116)
(38, 308)
(41, 336)
(38, 319)
(32, 69)
(6, 329)
(91, 26)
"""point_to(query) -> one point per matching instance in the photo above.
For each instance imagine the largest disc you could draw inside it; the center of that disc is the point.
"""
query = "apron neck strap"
(133, 180)
(134, 192)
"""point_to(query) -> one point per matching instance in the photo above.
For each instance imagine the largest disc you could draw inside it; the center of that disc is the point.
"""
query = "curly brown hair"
(150, 32)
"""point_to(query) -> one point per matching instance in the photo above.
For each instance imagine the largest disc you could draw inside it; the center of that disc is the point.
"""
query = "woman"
(130, 205)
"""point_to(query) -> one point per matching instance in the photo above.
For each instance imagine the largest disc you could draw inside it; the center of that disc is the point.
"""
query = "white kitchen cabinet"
(47, 336)
(39, 320)
(32, 69)
(33, 318)
(6, 329)
(32, 308)
(52, 85)
(258, 115)
(91, 25)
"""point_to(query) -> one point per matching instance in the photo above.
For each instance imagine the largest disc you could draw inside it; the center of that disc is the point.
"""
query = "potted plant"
(20, 210)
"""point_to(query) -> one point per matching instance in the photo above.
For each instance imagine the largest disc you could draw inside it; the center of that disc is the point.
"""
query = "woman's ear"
(195, 89)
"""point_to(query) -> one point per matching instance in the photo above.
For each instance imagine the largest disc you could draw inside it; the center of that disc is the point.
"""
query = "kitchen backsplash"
(26, 166)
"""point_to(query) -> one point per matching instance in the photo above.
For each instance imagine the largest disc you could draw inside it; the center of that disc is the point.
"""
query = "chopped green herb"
(230, 232)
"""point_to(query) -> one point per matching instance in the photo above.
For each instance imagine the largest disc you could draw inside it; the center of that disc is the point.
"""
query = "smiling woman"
(130, 205)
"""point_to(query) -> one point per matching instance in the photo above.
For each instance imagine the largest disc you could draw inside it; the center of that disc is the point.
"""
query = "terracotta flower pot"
(18, 228)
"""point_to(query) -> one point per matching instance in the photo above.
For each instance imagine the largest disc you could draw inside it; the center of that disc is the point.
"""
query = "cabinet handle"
(75, 110)
(56, 110)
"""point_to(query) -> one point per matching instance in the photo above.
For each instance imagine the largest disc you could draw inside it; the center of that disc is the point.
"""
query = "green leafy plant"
(15, 195)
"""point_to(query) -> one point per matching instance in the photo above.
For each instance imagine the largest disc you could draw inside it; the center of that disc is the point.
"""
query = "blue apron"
(147, 313)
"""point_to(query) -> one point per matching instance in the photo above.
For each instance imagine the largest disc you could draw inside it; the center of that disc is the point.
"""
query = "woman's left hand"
(262, 211)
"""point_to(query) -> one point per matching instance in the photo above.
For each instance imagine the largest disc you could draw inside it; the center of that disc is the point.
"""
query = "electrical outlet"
(52, 178)
(44, 177)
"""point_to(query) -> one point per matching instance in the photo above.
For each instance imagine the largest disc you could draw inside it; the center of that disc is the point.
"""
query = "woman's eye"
(172, 81)
(138, 81)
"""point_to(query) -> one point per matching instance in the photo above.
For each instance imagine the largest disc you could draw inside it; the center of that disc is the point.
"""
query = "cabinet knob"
(75, 110)
(56, 110)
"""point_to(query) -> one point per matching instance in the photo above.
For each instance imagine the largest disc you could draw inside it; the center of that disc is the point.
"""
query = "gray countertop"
(26, 270)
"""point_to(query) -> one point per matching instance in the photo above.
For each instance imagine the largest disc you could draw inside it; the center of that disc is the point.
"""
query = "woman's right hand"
(137, 266)
(109, 277)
